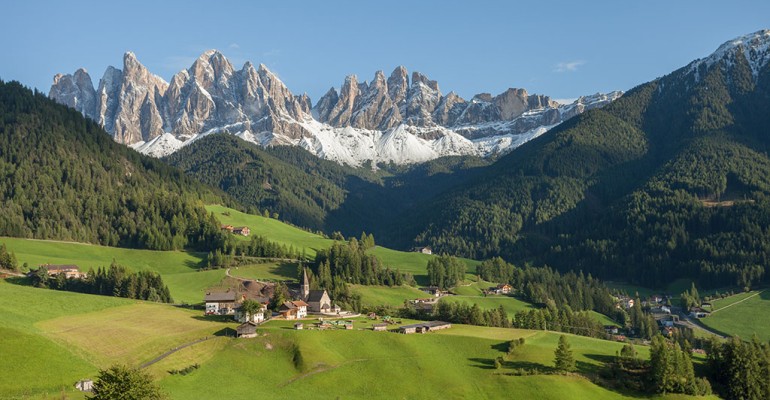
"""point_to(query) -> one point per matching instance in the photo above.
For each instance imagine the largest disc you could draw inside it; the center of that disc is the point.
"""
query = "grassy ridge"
(279, 232)
(179, 269)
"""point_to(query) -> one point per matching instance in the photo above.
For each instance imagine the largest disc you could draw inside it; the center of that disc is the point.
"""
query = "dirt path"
(172, 351)
(737, 302)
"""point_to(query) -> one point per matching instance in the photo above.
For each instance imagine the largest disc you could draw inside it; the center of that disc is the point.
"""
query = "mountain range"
(397, 119)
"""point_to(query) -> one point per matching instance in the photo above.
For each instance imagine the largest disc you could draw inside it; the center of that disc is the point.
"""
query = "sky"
(563, 49)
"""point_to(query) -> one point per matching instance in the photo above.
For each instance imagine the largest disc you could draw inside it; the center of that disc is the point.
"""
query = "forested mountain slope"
(671, 180)
(62, 177)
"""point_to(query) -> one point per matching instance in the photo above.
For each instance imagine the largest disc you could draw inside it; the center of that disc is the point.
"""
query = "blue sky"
(563, 49)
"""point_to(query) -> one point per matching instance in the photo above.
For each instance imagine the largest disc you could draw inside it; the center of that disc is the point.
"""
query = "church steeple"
(305, 285)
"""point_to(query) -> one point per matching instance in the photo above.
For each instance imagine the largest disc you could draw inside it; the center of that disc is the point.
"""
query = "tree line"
(115, 280)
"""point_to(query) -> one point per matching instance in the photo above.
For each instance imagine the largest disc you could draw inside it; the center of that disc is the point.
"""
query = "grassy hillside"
(64, 337)
(742, 315)
(279, 232)
(178, 269)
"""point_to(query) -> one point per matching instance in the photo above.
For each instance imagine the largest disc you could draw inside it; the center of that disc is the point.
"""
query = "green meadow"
(62, 337)
(742, 315)
(180, 270)
(279, 232)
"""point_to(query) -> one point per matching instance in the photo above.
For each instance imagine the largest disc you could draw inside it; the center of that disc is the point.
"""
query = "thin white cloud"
(568, 66)
(234, 46)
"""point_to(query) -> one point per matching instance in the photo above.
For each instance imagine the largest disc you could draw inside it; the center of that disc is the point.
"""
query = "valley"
(220, 235)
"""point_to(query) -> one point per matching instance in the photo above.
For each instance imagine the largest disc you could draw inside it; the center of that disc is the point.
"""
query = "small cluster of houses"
(237, 230)
(229, 303)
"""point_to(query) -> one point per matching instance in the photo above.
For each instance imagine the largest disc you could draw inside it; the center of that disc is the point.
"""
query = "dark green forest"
(62, 177)
(669, 181)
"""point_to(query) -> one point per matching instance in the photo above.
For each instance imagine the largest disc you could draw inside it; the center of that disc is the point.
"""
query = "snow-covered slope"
(395, 120)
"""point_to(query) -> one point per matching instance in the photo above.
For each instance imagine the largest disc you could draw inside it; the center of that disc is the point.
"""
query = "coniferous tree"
(563, 358)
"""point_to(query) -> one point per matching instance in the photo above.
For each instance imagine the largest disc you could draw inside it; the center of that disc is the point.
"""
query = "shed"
(380, 327)
(424, 327)
(246, 330)
(299, 326)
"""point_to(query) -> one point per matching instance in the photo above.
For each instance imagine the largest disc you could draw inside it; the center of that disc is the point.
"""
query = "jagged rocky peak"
(400, 117)
(398, 85)
(76, 91)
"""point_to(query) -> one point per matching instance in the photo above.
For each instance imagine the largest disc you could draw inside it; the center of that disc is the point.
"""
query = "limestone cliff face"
(136, 106)
(399, 118)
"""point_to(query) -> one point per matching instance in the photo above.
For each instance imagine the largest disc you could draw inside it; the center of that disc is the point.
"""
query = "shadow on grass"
(19, 280)
(226, 332)
(501, 347)
(193, 264)
(483, 363)
(215, 318)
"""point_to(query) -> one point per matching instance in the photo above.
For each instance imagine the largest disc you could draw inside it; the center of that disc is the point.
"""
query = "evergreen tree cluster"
(445, 271)
(561, 319)
(740, 370)
(116, 280)
(8, 259)
(350, 263)
(544, 285)
(464, 313)
(671, 369)
(234, 251)
(62, 177)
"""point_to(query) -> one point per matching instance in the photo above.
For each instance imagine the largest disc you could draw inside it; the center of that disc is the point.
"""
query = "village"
(312, 309)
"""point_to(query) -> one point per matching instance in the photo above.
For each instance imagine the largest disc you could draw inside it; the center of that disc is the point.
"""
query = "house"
(697, 312)
(299, 326)
(380, 327)
(242, 230)
(424, 250)
(220, 303)
(257, 317)
(319, 302)
(228, 228)
(424, 327)
(69, 271)
(293, 309)
(656, 298)
(502, 288)
(611, 329)
(246, 330)
(85, 385)
(628, 303)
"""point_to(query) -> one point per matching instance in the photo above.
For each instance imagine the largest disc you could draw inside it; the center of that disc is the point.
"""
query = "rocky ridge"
(399, 119)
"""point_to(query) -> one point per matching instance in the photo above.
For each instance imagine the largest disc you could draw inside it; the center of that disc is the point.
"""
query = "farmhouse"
(246, 330)
(433, 290)
(228, 228)
(69, 271)
(424, 327)
(257, 317)
(697, 312)
(293, 309)
(424, 250)
(220, 303)
(242, 230)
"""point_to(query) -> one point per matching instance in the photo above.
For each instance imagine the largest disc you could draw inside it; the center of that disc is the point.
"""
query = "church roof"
(316, 295)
